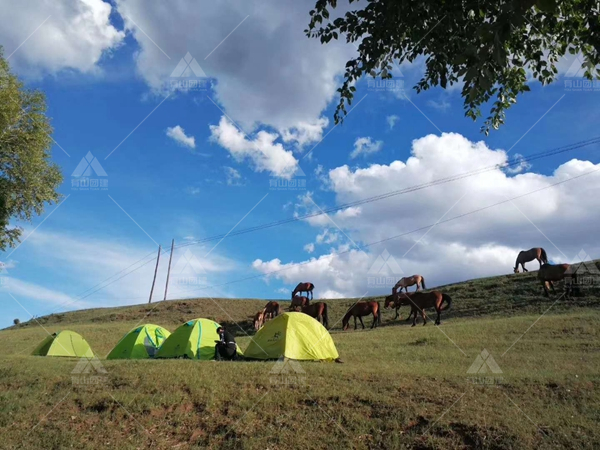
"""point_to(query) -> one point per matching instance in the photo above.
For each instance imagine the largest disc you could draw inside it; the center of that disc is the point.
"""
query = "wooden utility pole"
(169, 269)
(154, 279)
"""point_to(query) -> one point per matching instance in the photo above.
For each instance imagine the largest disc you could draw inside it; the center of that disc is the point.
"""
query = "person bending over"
(226, 348)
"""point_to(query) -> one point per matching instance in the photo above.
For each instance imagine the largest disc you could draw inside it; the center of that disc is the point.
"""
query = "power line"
(437, 182)
(398, 235)
(407, 190)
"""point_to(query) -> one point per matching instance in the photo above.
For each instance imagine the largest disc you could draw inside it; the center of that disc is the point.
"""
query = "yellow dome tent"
(64, 343)
(292, 335)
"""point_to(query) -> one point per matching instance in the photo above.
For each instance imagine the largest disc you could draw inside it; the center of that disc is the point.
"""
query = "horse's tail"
(325, 318)
(423, 283)
(544, 257)
(446, 298)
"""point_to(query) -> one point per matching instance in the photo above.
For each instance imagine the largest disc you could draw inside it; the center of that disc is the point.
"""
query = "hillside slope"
(504, 295)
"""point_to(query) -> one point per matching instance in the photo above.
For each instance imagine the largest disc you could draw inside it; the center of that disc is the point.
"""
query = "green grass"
(398, 387)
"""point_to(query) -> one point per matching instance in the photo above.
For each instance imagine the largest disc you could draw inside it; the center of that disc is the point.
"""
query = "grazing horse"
(271, 310)
(529, 255)
(259, 320)
(316, 310)
(398, 300)
(298, 300)
(304, 287)
(549, 273)
(361, 309)
(405, 282)
(423, 300)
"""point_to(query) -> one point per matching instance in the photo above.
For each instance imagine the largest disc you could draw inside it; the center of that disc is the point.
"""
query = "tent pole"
(169, 269)
(154, 279)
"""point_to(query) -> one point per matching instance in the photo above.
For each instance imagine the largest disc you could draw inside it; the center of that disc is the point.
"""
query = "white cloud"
(76, 261)
(75, 35)
(391, 121)
(309, 248)
(305, 133)
(442, 105)
(483, 244)
(178, 135)
(267, 71)
(520, 164)
(234, 178)
(263, 152)
(365, 146)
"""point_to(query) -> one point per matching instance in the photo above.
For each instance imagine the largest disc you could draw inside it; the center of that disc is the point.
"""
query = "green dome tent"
(140, 343)
(194, 340)
(292, 335)
(64, 343)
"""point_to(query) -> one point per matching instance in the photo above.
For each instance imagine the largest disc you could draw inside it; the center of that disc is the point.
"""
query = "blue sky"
(161, 189)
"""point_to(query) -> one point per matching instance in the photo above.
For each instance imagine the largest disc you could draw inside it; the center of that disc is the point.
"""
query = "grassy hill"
(399, 387)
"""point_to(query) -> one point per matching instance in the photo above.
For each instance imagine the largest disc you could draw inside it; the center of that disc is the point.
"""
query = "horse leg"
(413, 310)
(424, 316)
(397, 313)
(355, 322)
(374, 321)
(361, 322)
(439, 314)
(544, 285)
(523, 266)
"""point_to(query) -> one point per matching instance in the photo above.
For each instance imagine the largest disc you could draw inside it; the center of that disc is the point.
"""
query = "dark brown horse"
(529, 255)
(422, 300)
(298, 300)
(317, 310)
(361, 309)
(550, 273)
(304, 287)
(398, 300)
(271, 310)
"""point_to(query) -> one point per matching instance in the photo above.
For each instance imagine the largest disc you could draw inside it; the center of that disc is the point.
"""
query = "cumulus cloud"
(42, 37)
(178, 135)
(262, 151)
(309, 248)
(365, 146)
(267, 71)
(482, 244)
(391, 121)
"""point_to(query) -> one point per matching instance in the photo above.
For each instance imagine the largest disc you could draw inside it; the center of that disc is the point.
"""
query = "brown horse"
(529, 255)
(259, 320)
(271, 310)
(298, 300)
(317, 310)
(361, 309)
(398, 300)
(304, 287)
(405, 282)
(549, 273)
(423, 300)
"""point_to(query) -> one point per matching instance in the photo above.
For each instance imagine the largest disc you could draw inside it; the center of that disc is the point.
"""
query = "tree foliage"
(490, 46)
(28, 179)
